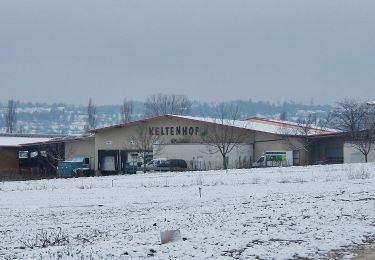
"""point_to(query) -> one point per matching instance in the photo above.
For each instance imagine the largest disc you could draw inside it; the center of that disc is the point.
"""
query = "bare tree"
(305, 129)
(91, 116)
(64, 128)
(143, 141)
(350, 116)
(50, 154)
(298, 137)
(356, 118)
(162, 104)
(364, 140)
(11, 117)
(21, 129)
(283, 116)
(326, 121)
(226, 132)
(126, 111)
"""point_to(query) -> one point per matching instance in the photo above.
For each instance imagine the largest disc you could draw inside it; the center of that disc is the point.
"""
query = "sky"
(210, 50)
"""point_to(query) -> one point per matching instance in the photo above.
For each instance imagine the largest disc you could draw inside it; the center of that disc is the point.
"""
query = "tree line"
(60, 118)
(157, 104)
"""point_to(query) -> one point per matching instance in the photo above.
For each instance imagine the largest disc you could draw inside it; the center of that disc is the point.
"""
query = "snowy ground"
(279, 213)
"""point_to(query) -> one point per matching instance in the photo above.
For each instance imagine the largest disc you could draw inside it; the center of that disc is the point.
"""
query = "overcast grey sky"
(68, 51)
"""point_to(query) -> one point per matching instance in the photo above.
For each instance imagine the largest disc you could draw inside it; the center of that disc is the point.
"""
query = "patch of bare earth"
(367, 254)
(366, 251)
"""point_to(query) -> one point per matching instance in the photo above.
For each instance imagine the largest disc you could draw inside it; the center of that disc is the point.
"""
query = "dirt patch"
(366, 254)
(365, 251)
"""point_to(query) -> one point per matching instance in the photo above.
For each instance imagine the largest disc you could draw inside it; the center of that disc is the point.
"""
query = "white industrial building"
(182, 137)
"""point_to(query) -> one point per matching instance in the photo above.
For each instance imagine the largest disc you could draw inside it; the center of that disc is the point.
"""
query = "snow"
(271, 126)
(17, 141)
(291, 126)
(265, 125)
(280, 213)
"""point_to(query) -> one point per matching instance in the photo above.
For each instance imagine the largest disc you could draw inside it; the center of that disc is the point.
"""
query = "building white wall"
(81, 147)
(352, 155)
(198, 156)
(273, 142)
(191, 146)
(119, 138)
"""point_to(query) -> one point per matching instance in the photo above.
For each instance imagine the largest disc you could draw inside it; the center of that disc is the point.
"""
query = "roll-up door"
(108, 161)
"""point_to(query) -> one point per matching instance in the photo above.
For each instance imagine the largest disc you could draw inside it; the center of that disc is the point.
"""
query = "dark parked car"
(176, 165)
(173, 165)
(165, 165)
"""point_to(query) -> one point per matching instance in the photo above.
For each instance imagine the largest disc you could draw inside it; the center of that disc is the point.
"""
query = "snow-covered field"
(280, 213)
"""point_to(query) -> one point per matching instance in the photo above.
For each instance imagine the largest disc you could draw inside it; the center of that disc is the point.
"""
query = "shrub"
(358, 173)
(45, 239)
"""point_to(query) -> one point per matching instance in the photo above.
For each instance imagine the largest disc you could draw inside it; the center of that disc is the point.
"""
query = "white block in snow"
(170, 236)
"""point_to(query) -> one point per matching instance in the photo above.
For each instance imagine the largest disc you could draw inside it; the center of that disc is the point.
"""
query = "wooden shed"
(10, 148)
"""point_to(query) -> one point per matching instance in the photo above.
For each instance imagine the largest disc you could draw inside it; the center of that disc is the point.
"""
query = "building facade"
(188, 138)
(353, 155)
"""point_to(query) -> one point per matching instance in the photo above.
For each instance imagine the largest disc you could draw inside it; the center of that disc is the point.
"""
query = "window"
(23, 154)
(33, 154)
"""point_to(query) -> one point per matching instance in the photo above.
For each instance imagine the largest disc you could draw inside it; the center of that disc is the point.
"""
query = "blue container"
(65, 168)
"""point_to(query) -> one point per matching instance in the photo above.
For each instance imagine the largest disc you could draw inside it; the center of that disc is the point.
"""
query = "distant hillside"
(61, 118)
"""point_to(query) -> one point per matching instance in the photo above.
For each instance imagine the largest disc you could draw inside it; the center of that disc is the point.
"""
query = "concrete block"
(170, 236)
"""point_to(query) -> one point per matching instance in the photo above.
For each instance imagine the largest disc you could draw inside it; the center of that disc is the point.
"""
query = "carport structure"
(12, 154)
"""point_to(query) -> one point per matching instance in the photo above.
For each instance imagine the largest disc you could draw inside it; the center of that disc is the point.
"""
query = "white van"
(275, 159)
